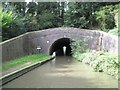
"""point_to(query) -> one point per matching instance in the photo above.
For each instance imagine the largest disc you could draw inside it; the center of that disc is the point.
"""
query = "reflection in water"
(53, 62)
(64, 49)
(63, 72)
(54, 54)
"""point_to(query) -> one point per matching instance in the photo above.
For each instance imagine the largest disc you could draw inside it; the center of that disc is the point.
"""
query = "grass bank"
(26, 59)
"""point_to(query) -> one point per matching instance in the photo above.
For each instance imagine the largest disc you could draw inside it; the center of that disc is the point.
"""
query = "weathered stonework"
(15, 48)
(27, 43)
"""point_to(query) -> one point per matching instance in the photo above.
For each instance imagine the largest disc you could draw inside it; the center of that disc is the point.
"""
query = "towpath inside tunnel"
(63, 72)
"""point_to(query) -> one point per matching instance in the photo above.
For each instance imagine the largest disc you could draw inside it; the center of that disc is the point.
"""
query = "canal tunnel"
(61, 47)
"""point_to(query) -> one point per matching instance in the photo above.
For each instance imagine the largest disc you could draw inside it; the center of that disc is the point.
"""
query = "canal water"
(63, 72)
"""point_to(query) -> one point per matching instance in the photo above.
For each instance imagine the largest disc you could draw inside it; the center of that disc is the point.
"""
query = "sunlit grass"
(30, 58)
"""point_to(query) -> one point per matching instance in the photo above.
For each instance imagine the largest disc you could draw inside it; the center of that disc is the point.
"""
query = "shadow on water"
(63, 72)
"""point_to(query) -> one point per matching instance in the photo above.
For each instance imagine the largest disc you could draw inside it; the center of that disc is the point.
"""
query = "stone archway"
(58, 45)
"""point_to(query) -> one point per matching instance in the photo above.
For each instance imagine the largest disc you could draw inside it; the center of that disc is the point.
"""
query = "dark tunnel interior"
(58, 45)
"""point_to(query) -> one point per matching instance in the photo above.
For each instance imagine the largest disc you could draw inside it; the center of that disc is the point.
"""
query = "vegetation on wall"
(100, 61)
(78, 46)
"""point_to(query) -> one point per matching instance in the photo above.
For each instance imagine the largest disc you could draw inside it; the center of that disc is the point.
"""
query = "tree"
(12, 23)
(80, 14)
(21, 17)
(19, 7)
(105, 17)
(31, 8)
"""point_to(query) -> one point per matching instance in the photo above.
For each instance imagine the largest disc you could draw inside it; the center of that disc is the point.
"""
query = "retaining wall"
(15, 48)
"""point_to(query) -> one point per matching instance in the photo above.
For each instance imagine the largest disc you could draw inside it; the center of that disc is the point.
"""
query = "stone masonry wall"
(14, 48)
(28, 43)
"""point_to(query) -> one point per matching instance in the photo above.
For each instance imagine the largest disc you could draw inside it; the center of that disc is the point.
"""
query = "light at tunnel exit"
(61, 47)
(64, 50)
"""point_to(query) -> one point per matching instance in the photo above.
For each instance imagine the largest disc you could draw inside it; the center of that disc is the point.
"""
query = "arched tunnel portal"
(58, 47)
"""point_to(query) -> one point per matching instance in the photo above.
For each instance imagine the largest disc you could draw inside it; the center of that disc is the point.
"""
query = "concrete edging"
(9, 77)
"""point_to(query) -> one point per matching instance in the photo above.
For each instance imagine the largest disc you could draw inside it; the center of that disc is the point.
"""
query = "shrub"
(78, 46)
(100, 61)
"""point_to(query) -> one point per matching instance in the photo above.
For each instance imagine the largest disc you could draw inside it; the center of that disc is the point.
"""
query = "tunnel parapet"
(28, 43)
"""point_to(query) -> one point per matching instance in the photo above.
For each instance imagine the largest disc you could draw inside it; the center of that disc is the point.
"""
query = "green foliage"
(47, 20)
(100, 61)
(19, 7)
(105, 17)
(43, 15)
(115, 31)
(80, 22)
(31, 23)
(32, 7)
(20, 17)
(116, 18)
(78, 46)
(82, 14)
(12, 23)
(7, 17)
(78, 14)
(1, 15)
(39, 22)
(106, 62)
(30, 58)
